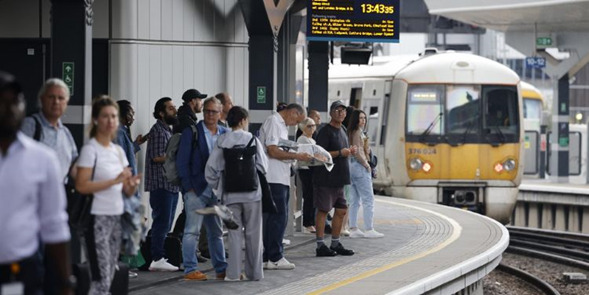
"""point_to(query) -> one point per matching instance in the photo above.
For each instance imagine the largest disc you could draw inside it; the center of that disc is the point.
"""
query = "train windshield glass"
(424, 109)
(458, 114)
(462, 105)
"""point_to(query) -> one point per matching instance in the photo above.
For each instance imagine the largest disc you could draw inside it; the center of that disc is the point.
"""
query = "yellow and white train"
(446, 127)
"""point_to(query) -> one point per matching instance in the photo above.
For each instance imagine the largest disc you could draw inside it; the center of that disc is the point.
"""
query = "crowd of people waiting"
(106, 167)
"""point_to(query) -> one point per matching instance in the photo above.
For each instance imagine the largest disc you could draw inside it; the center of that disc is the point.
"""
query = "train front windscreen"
(462, 114)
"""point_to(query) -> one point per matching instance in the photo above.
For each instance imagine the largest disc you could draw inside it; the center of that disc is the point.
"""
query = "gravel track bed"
(499, 283)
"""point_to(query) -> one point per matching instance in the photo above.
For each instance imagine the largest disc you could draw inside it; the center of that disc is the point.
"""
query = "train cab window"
(463, 107)
(424, 110)
(532, 108)
(501, 116)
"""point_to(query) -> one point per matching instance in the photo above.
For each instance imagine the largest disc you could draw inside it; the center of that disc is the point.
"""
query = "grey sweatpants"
(107, 235)
(248, 216)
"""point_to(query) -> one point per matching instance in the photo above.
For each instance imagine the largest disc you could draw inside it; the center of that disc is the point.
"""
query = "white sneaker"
(345, 233)
(286, 242)
(162, 265)
(356, 234)
(372, 234)
(280, 264)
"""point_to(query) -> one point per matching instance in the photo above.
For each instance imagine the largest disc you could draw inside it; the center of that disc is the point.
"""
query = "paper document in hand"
(320, 156)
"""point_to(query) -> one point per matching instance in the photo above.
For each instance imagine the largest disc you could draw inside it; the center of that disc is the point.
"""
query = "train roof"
(530, 91)
(453, 67)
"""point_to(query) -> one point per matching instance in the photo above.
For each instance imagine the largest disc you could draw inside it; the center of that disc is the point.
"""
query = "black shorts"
(325, 198)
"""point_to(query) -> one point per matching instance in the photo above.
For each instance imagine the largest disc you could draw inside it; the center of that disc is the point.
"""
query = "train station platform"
(426, 249)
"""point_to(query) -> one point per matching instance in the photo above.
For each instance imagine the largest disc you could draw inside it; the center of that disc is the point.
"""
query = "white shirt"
(33, 200)
(274, 129)
(111, 162)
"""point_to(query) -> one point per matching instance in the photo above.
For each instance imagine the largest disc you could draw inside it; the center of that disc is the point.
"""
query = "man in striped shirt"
(163, 195)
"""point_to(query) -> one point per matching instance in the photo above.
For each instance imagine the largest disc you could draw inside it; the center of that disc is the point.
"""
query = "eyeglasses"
(211, 112)
(311, 126)
(340, 111)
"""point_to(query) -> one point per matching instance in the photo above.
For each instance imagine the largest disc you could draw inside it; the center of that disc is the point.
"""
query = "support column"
(560, 144)
(71, 58)
(71, 61)
(318, 77)
(261, 76)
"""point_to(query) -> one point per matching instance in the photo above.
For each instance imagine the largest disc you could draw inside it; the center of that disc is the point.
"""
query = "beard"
(170, 120)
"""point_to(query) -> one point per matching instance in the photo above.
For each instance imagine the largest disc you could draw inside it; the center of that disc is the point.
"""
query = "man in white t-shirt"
(278, 176)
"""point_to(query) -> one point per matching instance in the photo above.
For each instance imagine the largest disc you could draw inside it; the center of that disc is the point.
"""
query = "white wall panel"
(155, 71)
(155, 19)
(167, 22)
(177, 73)
(167, 70)
(188, 20)
(143, 19)
(188, 69)
(178, 19)
(124, 19)
(199, 70)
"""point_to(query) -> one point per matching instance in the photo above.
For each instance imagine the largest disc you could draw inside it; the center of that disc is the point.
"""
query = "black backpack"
(240, 168)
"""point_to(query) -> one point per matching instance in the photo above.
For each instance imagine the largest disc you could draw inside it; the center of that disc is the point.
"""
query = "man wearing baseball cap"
(190, 107)
(328, 186)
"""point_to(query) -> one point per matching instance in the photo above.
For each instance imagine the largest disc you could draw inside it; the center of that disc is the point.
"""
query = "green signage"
(67, 75)
(563, 141)
(261, 93)
(543, 41)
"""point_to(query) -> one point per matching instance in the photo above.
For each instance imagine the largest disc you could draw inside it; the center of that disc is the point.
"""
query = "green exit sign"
(543, 41)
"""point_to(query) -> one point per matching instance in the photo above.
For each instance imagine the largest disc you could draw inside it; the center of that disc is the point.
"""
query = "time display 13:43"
(377, 8)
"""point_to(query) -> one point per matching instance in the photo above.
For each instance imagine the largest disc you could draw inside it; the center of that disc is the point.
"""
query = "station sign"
(67, 75)
(353, 20)
(537, 62)
(543, 42)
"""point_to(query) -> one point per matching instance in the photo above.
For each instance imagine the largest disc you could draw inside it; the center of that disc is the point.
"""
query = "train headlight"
(509, 165)
(427, 167)
(415, 164)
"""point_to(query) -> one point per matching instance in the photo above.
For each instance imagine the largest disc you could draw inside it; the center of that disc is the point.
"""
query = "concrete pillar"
(574, 219)
(547, 220)
(318, 77)
(560, 219)
(520, 214)
(533, 216)
(71, 57)
(585, 223)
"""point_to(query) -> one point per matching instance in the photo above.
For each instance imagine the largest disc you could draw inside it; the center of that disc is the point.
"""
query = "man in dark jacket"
(187, 111)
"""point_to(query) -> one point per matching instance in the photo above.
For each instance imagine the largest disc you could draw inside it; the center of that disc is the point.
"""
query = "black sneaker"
(339, 249)
(324, 251)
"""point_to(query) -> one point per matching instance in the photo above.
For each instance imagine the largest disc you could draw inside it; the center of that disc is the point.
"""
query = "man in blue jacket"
(190, 161)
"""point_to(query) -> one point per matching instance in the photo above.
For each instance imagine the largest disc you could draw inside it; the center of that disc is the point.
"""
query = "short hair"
(222, 97)
(212, 100)
(235, 115)
(297, 107)
(54, 82)
(124, 108)
(306, 122)
(160, 106)
(281, 106)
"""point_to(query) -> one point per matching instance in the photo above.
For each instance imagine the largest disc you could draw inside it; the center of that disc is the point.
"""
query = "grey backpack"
(170, 169)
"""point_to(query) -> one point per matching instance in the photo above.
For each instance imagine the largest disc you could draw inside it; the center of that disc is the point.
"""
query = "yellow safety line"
(457, 229)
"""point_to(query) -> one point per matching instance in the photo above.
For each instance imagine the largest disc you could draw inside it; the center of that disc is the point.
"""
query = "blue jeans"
(163, 204)
(213, 226)
(361, 191)
(274, 225)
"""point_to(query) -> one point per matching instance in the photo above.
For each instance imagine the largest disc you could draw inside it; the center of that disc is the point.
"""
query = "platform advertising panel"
(353, 20)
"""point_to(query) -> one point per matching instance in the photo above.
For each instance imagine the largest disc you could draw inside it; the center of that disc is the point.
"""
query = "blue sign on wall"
(353, 20)
(535, 62)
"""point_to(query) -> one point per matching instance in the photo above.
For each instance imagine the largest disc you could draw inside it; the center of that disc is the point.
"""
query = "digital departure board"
(353, 20)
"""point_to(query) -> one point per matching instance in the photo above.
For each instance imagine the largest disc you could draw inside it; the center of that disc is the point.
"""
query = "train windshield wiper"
(431, 126)
(502, 138)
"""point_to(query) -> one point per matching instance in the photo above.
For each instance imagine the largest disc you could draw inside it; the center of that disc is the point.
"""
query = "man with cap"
(187, 111)
(328, 187)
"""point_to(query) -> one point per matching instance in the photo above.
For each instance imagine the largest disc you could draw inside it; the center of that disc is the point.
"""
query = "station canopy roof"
(517, 15)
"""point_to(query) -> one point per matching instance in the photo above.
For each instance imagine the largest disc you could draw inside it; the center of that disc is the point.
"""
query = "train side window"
(385, 118)
(424, 108)
(532, 108)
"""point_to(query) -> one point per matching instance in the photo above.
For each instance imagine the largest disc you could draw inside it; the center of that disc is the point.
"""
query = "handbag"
(240, 168)
(268, 205)
(373, 161)
(79, 205)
